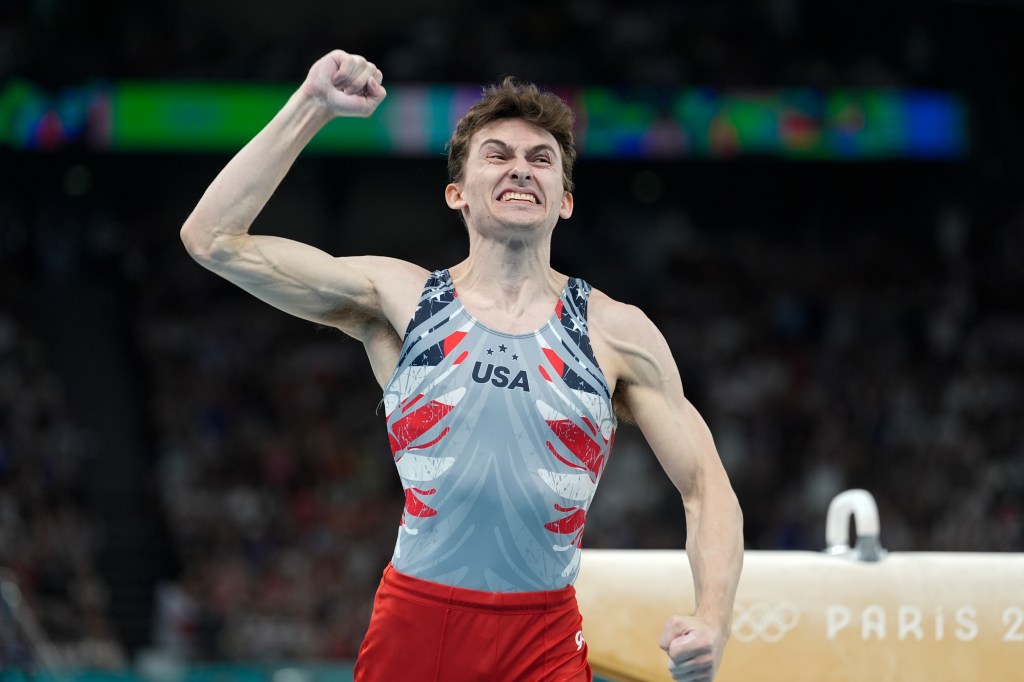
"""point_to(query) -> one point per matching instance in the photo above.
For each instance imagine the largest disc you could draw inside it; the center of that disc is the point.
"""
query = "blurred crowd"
(280, 501)
(830, 339)
(49, 580)
(747, 43)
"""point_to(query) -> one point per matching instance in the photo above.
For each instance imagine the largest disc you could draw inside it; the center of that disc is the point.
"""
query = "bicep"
(303, 280)
(676, 433)
(653, 393)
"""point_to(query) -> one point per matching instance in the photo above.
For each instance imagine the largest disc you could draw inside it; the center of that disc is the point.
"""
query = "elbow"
(205, 244)
(196, 242)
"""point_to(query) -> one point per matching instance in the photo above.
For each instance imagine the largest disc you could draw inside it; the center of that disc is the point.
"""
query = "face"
(512, 178)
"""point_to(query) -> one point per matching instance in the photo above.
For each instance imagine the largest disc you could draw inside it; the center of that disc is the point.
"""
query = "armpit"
(355, 321)
(620, 404)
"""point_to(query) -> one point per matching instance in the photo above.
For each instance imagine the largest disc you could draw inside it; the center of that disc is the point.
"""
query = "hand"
(694, 648)
(347, 84)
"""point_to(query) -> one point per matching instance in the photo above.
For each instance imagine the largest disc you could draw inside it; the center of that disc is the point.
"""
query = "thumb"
(681, 643)
(675, 627)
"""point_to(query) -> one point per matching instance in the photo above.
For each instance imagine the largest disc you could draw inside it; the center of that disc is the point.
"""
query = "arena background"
(190, 478)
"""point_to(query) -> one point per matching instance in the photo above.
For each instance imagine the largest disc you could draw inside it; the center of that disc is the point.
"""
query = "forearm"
(714, 546)
(241, 190)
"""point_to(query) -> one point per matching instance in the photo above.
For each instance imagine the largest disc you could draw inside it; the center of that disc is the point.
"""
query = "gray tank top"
(499, 440)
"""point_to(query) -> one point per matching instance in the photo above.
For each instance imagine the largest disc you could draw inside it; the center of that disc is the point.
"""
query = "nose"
(520, 174)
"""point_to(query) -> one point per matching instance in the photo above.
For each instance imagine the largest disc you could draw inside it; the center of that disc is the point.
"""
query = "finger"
(370, 71)
(680, 653)
(375, 90)
(336, 58)
(674, 628)
(342, 64)
(692, 676)
(687, 646)
(690, 673)
(361, 76)
(696, 656)
(349, 68)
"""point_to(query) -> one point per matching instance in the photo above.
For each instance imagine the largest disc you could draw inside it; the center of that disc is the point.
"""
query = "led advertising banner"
(416, 120)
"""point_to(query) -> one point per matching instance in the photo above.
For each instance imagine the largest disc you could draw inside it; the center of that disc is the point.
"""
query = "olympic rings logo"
(765, 621)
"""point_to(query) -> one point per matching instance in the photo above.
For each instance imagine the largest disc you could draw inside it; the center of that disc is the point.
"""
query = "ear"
(453, 196)
(565, 210)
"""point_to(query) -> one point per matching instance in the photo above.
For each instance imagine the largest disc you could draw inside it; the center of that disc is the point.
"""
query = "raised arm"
(354, 294)
(682, 442)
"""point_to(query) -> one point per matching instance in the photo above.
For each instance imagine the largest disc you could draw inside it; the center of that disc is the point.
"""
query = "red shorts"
(426, 632)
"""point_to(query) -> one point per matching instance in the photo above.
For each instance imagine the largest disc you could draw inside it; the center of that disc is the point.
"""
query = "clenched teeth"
(518, 196)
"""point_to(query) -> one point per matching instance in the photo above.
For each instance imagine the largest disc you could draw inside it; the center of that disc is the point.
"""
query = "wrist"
(310, 111)
(722, 625)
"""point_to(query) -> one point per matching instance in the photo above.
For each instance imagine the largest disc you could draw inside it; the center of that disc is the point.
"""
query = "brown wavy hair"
(512, 98)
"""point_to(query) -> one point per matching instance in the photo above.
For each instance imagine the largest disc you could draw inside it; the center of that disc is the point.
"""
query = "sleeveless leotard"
(499, 440)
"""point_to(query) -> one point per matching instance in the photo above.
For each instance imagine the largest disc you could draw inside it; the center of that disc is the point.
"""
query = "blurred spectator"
(47, 539)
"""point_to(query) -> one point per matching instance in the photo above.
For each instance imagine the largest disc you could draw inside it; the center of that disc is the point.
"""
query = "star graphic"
(502, 348)
(490, 351)
(515, 357)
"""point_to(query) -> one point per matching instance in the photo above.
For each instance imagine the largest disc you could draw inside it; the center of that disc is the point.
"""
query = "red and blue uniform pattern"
(500, 441)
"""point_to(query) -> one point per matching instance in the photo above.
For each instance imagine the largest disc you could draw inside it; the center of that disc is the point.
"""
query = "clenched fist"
(693, 650)
(346, 84)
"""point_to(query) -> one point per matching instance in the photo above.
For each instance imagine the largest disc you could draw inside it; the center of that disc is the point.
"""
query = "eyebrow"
(507, 148)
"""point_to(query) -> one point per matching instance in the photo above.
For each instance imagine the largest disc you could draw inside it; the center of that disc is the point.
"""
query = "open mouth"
(518, 196)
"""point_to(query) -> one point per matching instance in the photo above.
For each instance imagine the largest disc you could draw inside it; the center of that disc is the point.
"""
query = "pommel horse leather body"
(812, 617)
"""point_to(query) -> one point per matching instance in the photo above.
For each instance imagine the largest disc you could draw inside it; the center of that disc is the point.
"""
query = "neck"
(511, 277)
(510, 257)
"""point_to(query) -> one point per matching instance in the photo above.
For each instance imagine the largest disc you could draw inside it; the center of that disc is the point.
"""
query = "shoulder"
(631, 341)
(395, 285)
(621, 322)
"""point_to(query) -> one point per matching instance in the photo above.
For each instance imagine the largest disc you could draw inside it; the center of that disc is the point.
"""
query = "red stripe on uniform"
(562, 459)
(415, 505)
(581, 445)
(568, 524)
(452, 340)
(416, 423)
(555, 361)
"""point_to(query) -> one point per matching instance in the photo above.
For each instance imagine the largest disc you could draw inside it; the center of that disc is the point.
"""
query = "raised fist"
(347, 84)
